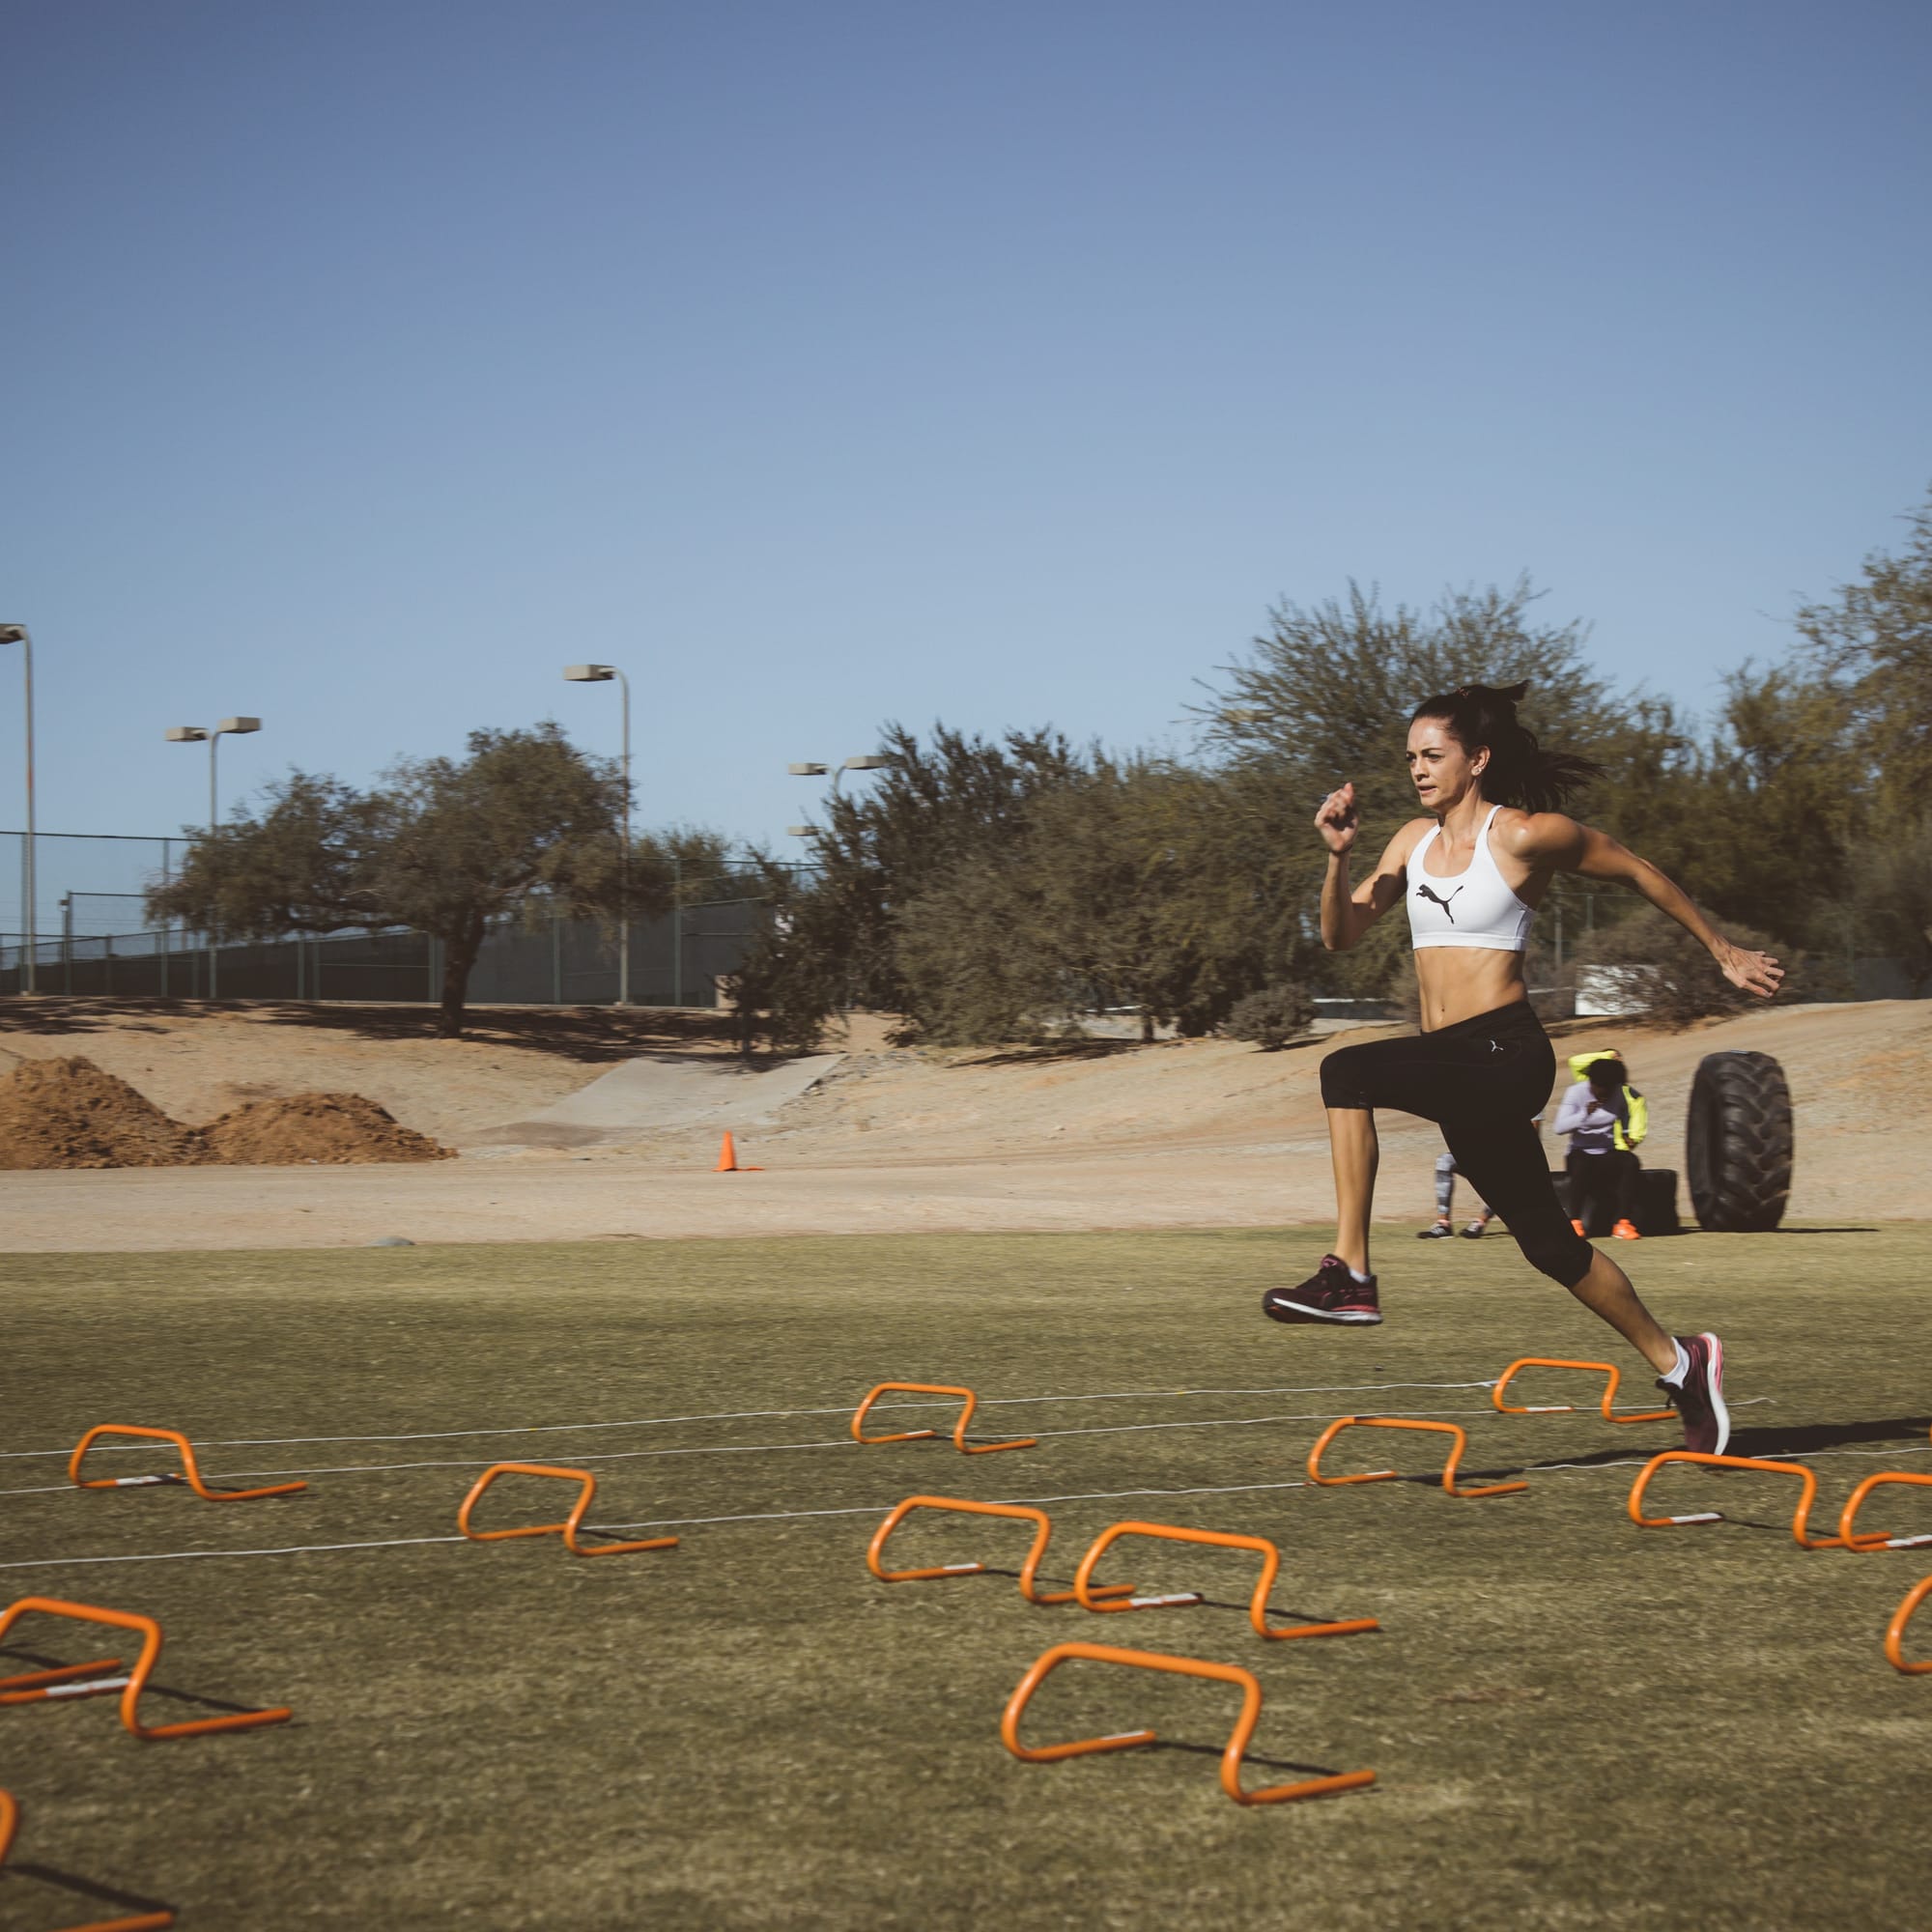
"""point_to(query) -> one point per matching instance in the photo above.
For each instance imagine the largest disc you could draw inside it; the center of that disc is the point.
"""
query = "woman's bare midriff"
(1456, 983)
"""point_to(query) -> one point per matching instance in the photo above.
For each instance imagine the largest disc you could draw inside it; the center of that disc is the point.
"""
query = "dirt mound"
(67, 1112)
(330, 1130)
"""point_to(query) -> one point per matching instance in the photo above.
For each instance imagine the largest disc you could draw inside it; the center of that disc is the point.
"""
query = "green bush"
(1678, 983)
(1272, 1017)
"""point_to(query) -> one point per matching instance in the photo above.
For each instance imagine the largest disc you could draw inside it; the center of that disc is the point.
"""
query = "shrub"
(1272, 1017)
(1681, 983)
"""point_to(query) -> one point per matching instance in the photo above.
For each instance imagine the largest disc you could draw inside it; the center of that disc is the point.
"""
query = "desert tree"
(525, 825)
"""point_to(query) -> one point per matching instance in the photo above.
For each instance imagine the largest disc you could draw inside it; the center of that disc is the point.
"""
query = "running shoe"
(1577, 1227)
(1626, 1231)
(1437, 1231)
(1474, 1231)
(1701, 1402)
(1331, 1293)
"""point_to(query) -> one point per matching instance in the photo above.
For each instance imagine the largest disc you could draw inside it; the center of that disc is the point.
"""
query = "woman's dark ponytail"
(1520, 772)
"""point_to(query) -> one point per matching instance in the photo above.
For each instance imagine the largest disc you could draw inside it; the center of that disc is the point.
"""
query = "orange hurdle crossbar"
(1866, 1542)
(1084, 1592)
(1178, 1666)
(191, 1473)
(15, 1690)
(1895, 1631)
(1021, 1512)
(959, 1441)
(1607, 1406)
(567, 1529)
(1800, 1517)
(1449, 1484)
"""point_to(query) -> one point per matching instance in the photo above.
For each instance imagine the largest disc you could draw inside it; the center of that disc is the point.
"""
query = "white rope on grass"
(665, 1522)
(745, 1449)
(723, 1416)
(866, 1508)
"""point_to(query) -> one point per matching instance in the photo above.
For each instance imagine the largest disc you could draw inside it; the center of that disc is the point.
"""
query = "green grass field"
(1576, 1722)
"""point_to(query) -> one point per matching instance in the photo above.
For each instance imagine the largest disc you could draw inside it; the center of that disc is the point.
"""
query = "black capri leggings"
(1483, 1081)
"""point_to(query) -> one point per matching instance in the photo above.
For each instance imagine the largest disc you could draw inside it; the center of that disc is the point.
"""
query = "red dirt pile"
(333, 1130)
(66, 1113)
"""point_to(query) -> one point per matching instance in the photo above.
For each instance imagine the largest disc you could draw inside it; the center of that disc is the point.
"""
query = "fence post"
(66, 942)
(107, 966)
(676, 931)
(555, 959)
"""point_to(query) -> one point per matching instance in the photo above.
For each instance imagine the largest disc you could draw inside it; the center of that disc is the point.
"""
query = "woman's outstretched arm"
(1548, 838)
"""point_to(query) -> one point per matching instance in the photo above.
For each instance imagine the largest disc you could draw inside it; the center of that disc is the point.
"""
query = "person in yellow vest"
(1607, 1120)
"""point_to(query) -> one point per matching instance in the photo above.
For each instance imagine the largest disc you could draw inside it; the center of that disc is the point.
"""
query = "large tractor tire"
(1739, 1143)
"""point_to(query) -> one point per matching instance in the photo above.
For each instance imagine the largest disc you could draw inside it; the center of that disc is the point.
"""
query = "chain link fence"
(92, 939)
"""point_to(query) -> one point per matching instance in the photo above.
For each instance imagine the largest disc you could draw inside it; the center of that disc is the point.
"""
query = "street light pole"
(603, 675)
(193, 734)
(17, 634)
(810, 768)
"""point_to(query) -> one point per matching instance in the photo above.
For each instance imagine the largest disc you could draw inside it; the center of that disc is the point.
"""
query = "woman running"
(1473, 872)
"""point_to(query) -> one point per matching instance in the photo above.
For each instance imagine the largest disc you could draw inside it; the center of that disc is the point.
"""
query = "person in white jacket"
(1605, 1119)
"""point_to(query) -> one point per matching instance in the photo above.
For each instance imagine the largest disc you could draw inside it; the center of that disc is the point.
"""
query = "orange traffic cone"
(728, 1160)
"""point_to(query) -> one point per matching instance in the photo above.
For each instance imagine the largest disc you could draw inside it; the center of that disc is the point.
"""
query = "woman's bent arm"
(1346, 915)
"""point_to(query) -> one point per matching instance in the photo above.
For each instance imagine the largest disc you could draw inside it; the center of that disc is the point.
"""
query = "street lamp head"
(807, 771)
(186, 735)
(12, 634)
(590, 674)
(240, 725)
(803, 831)
(867, 764)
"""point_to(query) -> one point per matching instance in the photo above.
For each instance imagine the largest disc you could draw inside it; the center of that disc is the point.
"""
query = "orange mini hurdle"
(1866, 1542)
(1449, 1486)
(141, 1921)
(1178, 1666)
(1609, 1369)
(39, 1684)
(1084, 1592)
(1021, 1512)
(959, 1441)
(567, 1529)
(1800, 1518)
(1894, 1634)
(192, 1475)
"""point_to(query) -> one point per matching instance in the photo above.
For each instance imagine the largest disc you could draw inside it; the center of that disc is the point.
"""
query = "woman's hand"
(1754, 972)
(1338, 821)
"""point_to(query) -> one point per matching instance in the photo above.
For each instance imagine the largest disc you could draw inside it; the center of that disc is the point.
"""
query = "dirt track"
(1195, 1133)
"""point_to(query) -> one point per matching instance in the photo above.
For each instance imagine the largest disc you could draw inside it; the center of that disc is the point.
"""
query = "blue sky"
(366, 363)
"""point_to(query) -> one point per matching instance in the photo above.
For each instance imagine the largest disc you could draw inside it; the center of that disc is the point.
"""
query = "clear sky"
(367, 361)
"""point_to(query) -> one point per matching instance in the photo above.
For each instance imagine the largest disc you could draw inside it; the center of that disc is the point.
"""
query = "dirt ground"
(1104, 1135)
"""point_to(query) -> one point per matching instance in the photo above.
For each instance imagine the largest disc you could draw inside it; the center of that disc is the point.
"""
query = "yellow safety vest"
(1624, 1139)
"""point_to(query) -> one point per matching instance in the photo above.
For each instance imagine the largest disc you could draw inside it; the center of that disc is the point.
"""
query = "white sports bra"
(1475, 907)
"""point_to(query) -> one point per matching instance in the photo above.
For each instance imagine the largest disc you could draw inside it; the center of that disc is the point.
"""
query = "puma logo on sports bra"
(1439, 900)
(1492, 916)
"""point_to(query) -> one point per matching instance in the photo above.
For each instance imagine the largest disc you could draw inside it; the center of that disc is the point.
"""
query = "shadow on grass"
(1252, 1757)
(1771, 1443)
(126, 1902)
